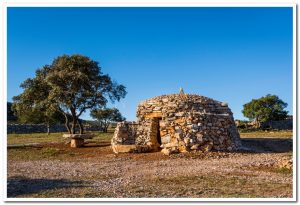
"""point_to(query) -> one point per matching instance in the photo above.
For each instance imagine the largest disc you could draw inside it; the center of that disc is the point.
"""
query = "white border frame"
(155, 3)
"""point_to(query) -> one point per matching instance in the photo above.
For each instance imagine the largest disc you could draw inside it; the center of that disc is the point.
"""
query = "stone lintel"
(153, 115)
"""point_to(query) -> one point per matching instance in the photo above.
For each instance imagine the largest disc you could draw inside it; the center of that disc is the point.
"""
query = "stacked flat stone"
(186, 123)
(125, 133)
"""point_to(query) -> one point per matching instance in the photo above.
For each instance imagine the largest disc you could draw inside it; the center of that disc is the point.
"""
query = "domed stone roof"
(182, 102)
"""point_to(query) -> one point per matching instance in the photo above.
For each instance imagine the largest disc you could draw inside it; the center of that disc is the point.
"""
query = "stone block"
(186, 140)
(78, 136)
(195, 147)
(165, 139)
(180, 121)
(153, 115)
(166, 151)
(123, 148)
(179, 114)
(77, 142)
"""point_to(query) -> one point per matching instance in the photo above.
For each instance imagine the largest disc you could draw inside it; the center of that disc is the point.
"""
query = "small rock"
(186, 140)
(166, 151)
(195, 147)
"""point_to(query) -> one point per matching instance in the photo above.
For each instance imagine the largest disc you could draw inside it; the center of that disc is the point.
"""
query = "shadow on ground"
(87, 145)
(267, 145)
(20, 185)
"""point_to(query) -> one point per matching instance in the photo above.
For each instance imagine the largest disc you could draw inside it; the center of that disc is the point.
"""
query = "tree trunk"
(106, 127)
(74, 122)
(101, 126)
(48, 128)
(67, 123)
(80, 126)
(257, 123)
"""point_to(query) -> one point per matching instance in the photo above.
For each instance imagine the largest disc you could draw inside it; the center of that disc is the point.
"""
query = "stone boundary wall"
(41, 128)
(279, 125)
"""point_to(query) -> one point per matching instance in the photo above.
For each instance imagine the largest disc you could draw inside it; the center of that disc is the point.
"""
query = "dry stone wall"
(180, 123)
(279, 125)
(125, 133)
(41, 128)
(125, 139)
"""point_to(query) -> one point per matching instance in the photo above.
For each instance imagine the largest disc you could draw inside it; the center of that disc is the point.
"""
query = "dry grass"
(54, 147)
(274, 169)
(209, 186)
(34, 138)
(52, 138)
(268, 134)
(178, 187)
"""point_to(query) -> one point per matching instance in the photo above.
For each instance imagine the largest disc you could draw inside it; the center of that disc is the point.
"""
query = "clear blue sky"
(228, 54)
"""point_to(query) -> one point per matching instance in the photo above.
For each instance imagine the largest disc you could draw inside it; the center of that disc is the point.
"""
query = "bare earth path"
(55, 170)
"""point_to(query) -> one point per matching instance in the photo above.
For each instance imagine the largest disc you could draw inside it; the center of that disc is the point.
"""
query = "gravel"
(114, 174)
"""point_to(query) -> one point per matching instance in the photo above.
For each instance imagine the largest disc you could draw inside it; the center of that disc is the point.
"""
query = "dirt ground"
(56, 170)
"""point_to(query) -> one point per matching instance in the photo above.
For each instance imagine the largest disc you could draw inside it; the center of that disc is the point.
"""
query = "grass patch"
(101, 137)
(34, 138)
(283, 170)
(50, 152)
(268, 134)
(274, 169)
(215, 186)
(80, 192)
(35, 154)
(58, 150)
(53, 138)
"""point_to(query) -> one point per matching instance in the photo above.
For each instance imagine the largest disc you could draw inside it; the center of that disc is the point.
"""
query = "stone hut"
(178, 123)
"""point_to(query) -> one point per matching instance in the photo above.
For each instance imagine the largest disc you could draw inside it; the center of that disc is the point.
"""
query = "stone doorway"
(155, 133)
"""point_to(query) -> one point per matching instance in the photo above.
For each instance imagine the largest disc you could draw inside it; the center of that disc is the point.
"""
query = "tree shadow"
(266, 145)
(89, 145)
(21, 185)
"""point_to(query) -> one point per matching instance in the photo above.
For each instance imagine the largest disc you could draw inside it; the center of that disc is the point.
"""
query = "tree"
(30, 106)
(264, 109)
(70, 85)
(34, 115)
(10, 113)
(106, 116)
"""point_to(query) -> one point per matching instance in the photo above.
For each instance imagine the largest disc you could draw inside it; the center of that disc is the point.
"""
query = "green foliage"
(10, 113)
(37, 116)
(70, 85)
(32, 105)
(266, 108)
(107, 116)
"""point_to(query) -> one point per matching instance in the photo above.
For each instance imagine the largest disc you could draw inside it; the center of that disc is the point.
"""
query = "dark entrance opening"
(158, 137)
(155, 136)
